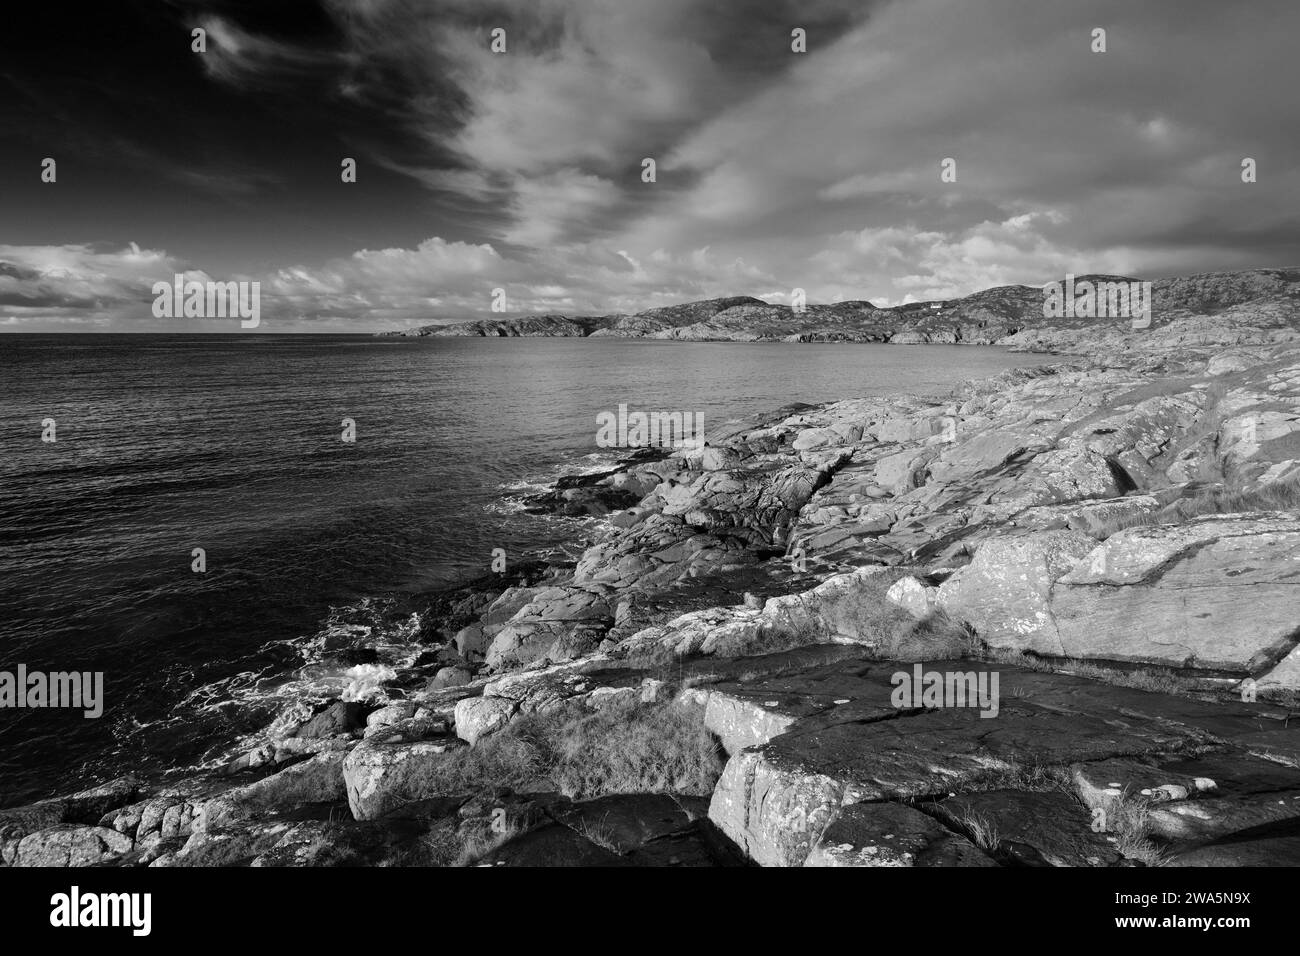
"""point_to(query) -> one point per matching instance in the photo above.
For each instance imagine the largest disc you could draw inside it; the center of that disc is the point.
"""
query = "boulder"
(70, 845)
(476, 717)
(451, 677)
(340, 717)
(1005, 593)
(1218, 592)
(914, 596)
(382, 775)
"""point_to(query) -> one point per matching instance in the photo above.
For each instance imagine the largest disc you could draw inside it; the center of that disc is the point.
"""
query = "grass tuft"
(1129, 822)
(979, 829)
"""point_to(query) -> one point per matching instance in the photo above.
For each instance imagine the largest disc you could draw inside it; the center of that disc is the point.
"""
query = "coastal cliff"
(1113, 540)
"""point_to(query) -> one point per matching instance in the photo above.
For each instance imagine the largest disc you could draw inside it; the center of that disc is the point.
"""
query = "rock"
(835, 740)
(1276, 845)
(718, 459)
(85, 807)
(739, 722)
(451, 677)
(917, 598)
(1095, 518)
(1216, 592)
(226, 848)
(70, 845)
(552, 616)
(816, 438)
(472, 642)
(623, 823)
(901, 472)
(553, 845)
(476, 717)
(1006, 590)
(830, 612)
(1208, 818)
(1104, 784)
(383, 774)
(391, 714)
(1030, 828)
(891, 834)
(318, 779)
(340, 717)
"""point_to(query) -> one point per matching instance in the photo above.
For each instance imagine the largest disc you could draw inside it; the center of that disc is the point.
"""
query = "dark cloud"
(775, 169)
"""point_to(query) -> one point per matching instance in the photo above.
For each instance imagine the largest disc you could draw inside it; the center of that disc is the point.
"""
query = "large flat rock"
(1030, 828)
(834, 740)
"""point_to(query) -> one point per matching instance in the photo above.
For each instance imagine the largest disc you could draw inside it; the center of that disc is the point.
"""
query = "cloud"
(775, 169)
(1105, 159)
(244, 59)
(440, 280)
(584, 92)
(79, 285)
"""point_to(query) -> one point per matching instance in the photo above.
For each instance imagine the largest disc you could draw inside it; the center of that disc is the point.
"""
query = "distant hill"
(1007, 315)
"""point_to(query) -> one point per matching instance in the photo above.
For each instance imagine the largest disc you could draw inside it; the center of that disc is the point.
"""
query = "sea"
(233, 447)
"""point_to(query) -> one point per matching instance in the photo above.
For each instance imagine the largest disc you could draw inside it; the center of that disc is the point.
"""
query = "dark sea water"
(232, 444)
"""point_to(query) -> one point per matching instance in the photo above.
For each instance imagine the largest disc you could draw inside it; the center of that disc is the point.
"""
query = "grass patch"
(1009, 655)
(1029, 777)
(468, 848)
(888, 631)
(1129, 823)
(1157, 680)
(937, 636)
(1277, 496)
(647, 749)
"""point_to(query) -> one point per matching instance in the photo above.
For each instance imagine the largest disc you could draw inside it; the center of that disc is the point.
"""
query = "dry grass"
(979, 829)
(1160, 680)
(474, 845)
(661, 748)
(447, 843)
(1008, 655)
(937, 636)
(629, 748)
(599, 834)
(1129, 823)
(891, 632)
(1277, 496)
(1031, 777)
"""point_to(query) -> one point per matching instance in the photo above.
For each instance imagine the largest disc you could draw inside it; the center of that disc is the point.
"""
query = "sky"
(522, 170)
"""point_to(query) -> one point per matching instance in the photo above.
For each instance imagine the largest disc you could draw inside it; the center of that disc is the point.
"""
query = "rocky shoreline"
(1115, 536)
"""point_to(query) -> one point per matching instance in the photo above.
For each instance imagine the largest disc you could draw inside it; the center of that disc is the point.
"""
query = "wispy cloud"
(775, 169)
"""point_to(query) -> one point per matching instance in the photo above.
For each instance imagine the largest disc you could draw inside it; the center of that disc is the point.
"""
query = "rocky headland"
(1115, 536)
(1007, 315)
